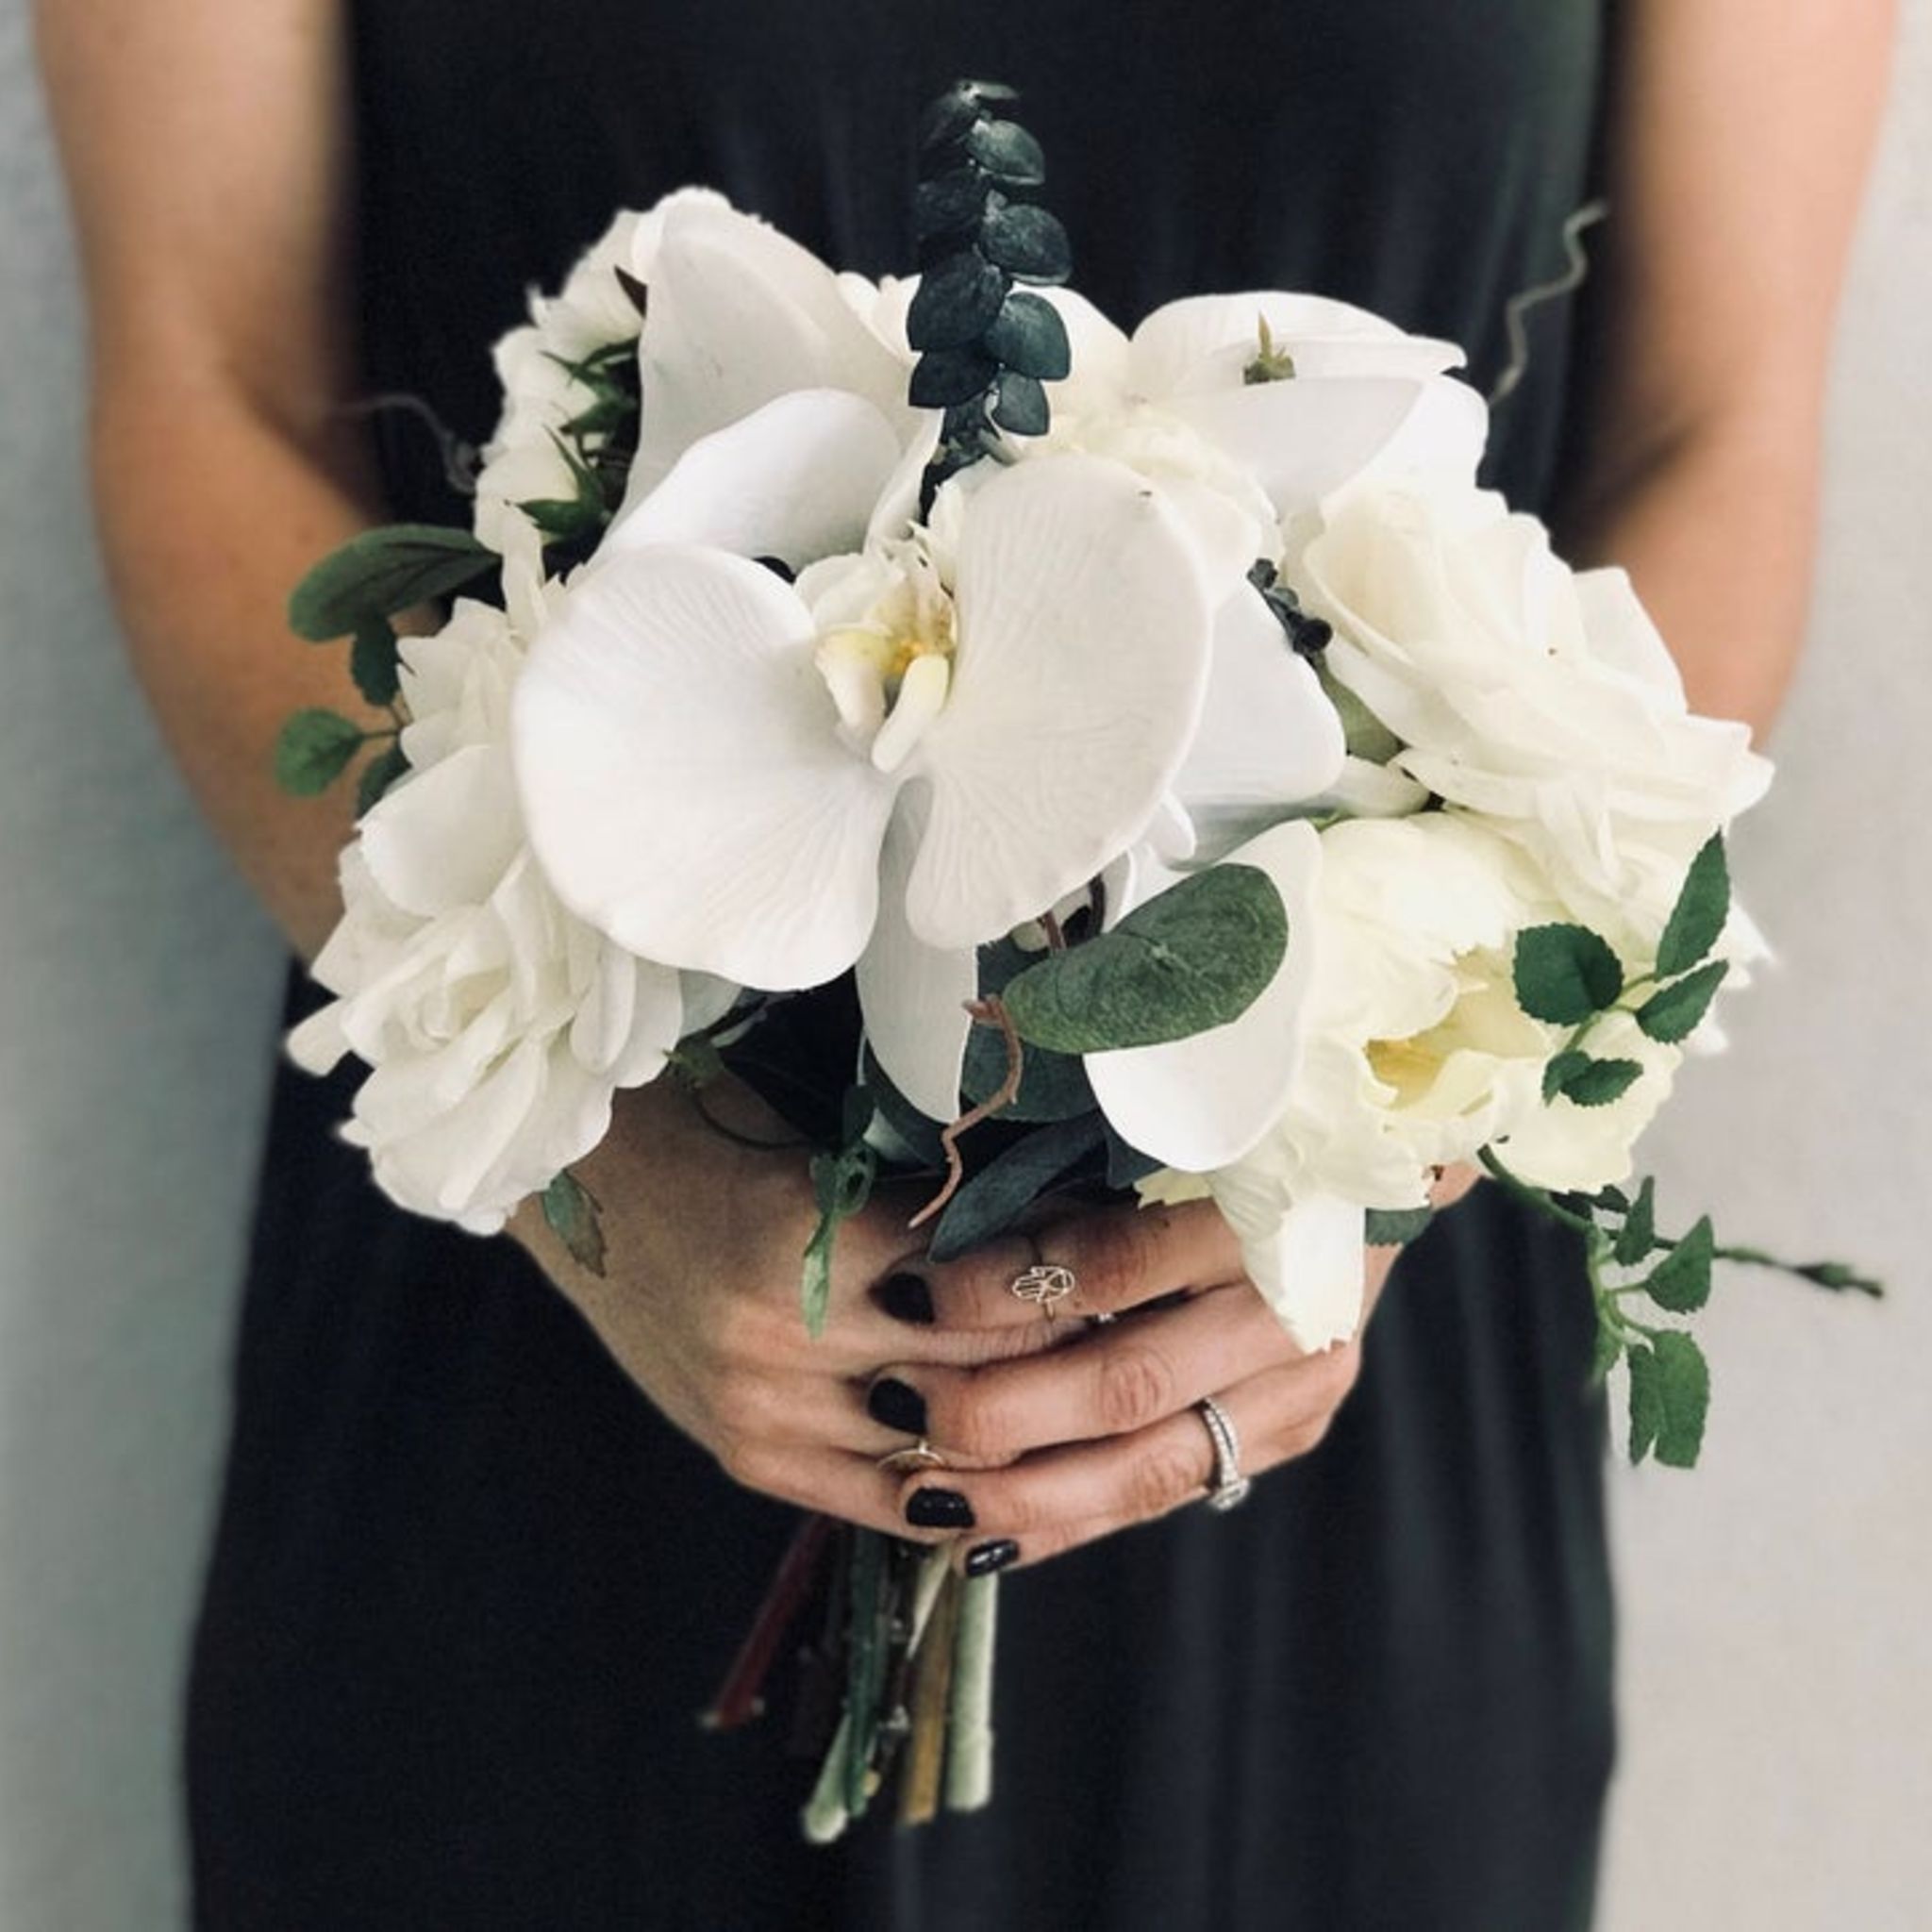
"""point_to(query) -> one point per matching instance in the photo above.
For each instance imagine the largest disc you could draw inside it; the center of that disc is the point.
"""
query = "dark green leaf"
(1008, 153)
(1027, 241)
(1646, 1400)
(1673, 1015)
(957, 302)
(378, 775)
(564, 519)
(572, 1211)
(1638, 1235)
(843, 1185)
(1681, 1281)
(1053, 1085)
(1396, 1227)
(994, 1199)
(1021, 408)
(1839, 1278)
(1697, 920)
(314, 751)
(945, 378)
(1605, 1351)
(952, 115)
(1029, 337)
(1195, 957)
(1597, 1083)
(950, 204)
(382, 572)
(373, 662)
(1684, 1391)
(919, 1133)
(1126, 1165)
(1563, 1066)
(1564, 973)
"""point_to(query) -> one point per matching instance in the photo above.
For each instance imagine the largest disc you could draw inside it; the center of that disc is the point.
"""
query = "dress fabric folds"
(468, 1590)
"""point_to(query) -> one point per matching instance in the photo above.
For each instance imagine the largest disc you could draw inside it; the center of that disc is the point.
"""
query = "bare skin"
(224, 354)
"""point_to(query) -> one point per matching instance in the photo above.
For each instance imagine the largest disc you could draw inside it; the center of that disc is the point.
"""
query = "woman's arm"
(205, 153)
(1740, 136)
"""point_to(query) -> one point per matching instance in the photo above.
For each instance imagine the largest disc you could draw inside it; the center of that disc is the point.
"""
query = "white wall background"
(1777, 1648)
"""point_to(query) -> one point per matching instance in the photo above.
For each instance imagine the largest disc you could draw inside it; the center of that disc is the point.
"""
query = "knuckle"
(743, 1408)
(1338, 1369)
(1117, 1253)
(1135, 1385)
(973, 1424)
(1162, 1477)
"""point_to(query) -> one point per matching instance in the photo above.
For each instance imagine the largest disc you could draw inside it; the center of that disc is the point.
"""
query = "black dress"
(468, 1590)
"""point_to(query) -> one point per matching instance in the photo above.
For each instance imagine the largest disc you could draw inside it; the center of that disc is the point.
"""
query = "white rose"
(1542, 700)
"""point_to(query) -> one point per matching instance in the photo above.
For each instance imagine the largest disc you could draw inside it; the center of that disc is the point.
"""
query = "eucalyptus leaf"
(1676, 1011)
(571, 1213)
(1008, 153)
(314, 750)
(1638, 1235)
(950, 204)
(382, 572)
(1021, 408)
(1196, 956)
(1027, 241)
(1681, 1281)
(377, 775)
(1126, 1165)
(944, 378)
(1396, 1227)
(956, 303)
(993, 1200)
(1053, 1085)
(1029, 337)
(1697, 920)
(919, 1133)
(1684, 1397)
(374, 665)
(1646, 1399)
(1565, 973)
(953, 114)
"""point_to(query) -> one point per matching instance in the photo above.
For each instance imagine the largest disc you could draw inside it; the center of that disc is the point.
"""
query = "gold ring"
(913, 1458)
(1045, 1284)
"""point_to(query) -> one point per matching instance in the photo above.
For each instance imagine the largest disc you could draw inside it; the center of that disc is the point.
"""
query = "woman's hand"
(1060, 1448)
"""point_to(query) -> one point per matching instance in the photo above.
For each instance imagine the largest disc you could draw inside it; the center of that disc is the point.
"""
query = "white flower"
(714, 780)
(1540, 700)
(496, 1026)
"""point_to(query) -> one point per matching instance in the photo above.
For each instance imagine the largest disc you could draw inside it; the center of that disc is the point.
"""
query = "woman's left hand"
(1057, 1448)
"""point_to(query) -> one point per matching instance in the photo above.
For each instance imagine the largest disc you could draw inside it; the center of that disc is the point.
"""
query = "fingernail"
(939, 1509)
(984, 1558)
(896, 1405)
(906, 1298)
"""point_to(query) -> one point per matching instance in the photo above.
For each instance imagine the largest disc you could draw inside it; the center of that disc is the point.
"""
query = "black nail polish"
(896, 1405)
(906, 1298)
(986, 1557)
(939, 1509)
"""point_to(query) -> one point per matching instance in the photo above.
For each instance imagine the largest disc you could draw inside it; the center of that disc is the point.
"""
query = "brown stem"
(991, 1011)
(738, 1701)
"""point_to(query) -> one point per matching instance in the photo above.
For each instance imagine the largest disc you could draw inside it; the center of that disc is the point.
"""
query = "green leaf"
(1839, 1277)
(1562, 1067)
(994, 1199)
(841, 1182)
(1028, 337)
(1697, 920)
(1638, 1235)
(314, 750)
(945, 378)
(572, 1211)
(1021, 408)
(1674, 1013)
(1008, 153)
(1596, 1083)
(382, 572)
(1681, 1281)
(1125, 1164)
(378, 775)
(959, 300)
(1606, 1351)
(954, 113)
(374, 662)
(949, 204)
(1684, 1391)
(1053, 1085)
(1646, 1399)
(1027, 242)
(1564, 973)
(564, 519)
(1197, 955)
(1396, 1228)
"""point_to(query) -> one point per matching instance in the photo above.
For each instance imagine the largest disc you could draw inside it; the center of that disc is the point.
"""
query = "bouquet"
(1185, 776)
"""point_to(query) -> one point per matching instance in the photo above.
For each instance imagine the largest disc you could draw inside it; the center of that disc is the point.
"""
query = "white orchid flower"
(714, 778)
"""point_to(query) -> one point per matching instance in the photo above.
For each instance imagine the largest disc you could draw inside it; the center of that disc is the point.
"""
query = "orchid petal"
(1268, 737)
(796, 479)
(913, 995)
(1204, 1101)
(1084, 633)
(685, 786)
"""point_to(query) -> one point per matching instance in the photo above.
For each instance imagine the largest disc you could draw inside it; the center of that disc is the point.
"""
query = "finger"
(1116, 1258)
(831, 1482)
(1057, 1496)
(1115, 1381)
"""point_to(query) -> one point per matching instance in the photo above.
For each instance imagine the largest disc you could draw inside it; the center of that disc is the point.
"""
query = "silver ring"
(1228, 1485)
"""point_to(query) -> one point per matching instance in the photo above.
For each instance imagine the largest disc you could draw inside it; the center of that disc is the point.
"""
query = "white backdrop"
(1777, 1651)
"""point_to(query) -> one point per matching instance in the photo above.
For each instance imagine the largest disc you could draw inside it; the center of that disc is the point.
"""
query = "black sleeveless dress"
(468, 1592)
